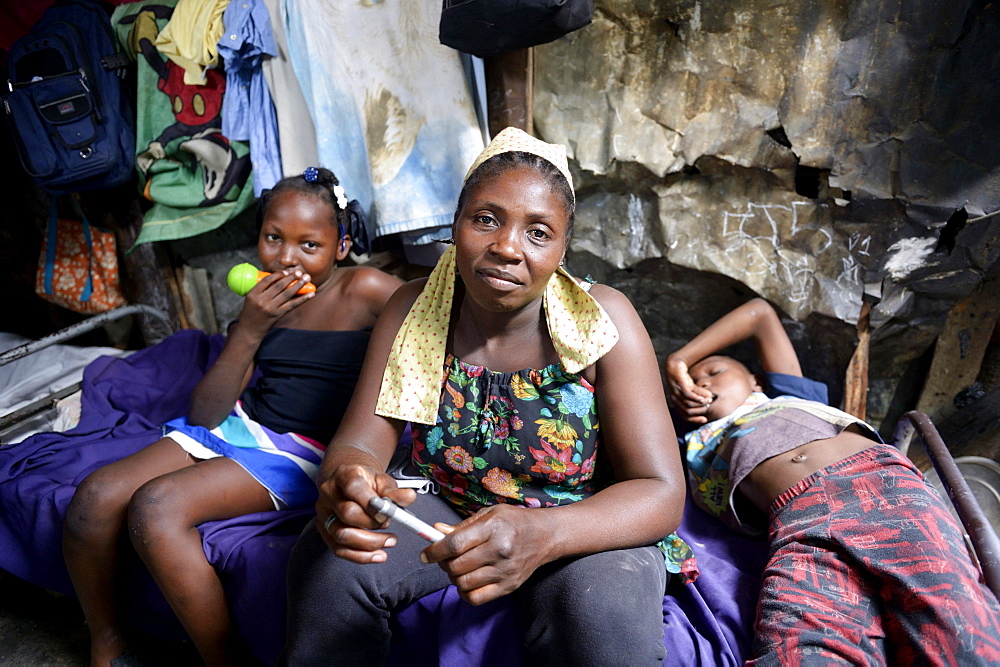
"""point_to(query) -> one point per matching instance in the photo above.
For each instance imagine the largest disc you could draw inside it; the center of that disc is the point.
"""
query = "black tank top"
(307, 378)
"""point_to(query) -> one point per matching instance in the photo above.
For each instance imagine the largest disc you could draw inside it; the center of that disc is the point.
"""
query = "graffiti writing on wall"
(779, 245)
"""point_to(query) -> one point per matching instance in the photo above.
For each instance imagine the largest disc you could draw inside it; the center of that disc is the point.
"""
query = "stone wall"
(808, 151)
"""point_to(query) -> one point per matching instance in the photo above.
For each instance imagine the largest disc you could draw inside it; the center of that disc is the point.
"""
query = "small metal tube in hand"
(386, 510)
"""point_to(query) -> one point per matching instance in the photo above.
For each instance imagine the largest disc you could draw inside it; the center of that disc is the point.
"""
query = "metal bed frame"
(982, 537)
(65, 334)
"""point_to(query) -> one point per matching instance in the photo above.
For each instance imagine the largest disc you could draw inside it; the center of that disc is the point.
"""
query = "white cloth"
(297, 136)
(40, 374)
(393, 114)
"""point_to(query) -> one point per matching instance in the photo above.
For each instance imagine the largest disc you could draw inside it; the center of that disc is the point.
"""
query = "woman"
(526, 395)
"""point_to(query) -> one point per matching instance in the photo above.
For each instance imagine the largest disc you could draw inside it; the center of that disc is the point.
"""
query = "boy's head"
(730, 382)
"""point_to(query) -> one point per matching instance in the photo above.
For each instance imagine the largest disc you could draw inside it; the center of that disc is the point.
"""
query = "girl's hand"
(491, 553)
(345, 495)
(690, 400)
(271, 298)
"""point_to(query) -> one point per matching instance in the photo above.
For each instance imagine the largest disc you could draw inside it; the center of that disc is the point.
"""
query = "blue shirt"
(247, 109)
(779, 384)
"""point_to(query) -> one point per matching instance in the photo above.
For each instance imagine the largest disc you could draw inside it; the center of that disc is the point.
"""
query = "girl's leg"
(163, 520)
(93, 528)
(602, 609)
(338, 611)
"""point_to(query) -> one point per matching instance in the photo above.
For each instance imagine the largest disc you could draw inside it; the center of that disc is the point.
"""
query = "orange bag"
(78, 266)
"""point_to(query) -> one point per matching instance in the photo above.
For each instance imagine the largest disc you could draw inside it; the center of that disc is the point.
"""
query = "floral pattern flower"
(523, 389)
(434, 438)
(502, 483)
(560, 433)
(578, 399)
(557, 465)
(459, 459)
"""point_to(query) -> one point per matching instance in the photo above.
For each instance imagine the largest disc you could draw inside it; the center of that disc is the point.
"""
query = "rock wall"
(811, 151)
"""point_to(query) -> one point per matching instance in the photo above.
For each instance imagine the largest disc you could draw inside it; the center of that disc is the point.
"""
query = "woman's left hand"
(491, 553)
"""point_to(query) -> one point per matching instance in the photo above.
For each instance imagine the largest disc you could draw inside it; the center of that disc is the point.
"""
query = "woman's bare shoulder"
(616, 304)
(408, 292)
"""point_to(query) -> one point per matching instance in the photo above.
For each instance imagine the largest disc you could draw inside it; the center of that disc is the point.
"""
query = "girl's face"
(729, 381)
(510, 236)
(299, 233)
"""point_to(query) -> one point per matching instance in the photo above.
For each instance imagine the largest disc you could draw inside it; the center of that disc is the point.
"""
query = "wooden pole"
(856, 380)
(510, 86)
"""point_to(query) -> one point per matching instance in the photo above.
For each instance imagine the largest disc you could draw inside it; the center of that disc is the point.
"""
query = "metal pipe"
(35, 407)
(977, 525)
(80, 328)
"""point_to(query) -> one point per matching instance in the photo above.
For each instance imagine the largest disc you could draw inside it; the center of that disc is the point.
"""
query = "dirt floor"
(38, 627)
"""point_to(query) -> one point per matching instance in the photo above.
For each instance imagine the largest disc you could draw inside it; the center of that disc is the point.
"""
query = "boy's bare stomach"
(775, 475)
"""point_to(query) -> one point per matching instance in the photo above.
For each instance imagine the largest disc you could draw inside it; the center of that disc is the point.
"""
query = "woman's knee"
(610, 578)
(608, 604)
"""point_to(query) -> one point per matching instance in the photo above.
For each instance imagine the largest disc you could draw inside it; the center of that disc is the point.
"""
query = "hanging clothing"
(189, 39)
(295, 125)
(391, 106)
(247, 111)
(196, 176)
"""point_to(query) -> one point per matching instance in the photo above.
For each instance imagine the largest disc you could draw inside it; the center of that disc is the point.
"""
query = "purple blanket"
(124, 403)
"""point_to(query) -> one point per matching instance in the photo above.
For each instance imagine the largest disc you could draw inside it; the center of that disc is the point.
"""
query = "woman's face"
(510, 236)
(298, 234)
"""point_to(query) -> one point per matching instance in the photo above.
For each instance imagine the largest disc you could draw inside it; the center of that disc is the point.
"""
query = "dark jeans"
(606, 608)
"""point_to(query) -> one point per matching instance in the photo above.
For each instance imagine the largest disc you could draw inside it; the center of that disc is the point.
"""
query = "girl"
(523, 390)
(237, 451)
(866, 564)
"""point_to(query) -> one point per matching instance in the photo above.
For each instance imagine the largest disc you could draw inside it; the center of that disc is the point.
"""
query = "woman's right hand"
(345, 495)
(271, 298)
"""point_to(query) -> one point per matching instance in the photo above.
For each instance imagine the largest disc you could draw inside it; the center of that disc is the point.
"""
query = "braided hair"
(323, 184)
(504, 162)
(320, 187)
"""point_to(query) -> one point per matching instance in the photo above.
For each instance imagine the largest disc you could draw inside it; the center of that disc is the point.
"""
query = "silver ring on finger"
(329, 522)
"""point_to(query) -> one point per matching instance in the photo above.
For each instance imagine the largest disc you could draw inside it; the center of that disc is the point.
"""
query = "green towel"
(196, 178)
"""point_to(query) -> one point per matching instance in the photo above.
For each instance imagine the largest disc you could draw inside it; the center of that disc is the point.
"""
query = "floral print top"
(528, 438)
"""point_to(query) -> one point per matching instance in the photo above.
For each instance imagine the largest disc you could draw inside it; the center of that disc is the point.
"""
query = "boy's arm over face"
(756, 320)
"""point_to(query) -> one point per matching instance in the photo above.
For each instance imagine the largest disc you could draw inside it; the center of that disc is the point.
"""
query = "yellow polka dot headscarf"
(580, 329)
(512, 139)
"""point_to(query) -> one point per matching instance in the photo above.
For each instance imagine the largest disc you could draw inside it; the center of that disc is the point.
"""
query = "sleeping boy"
(866, 564)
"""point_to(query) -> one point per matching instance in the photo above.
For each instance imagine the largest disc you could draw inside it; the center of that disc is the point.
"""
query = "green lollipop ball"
(242, 278)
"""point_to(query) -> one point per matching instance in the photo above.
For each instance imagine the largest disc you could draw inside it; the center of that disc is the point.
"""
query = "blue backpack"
(67, 103)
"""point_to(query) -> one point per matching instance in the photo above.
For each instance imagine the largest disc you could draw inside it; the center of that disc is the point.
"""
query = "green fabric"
(179, 164)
